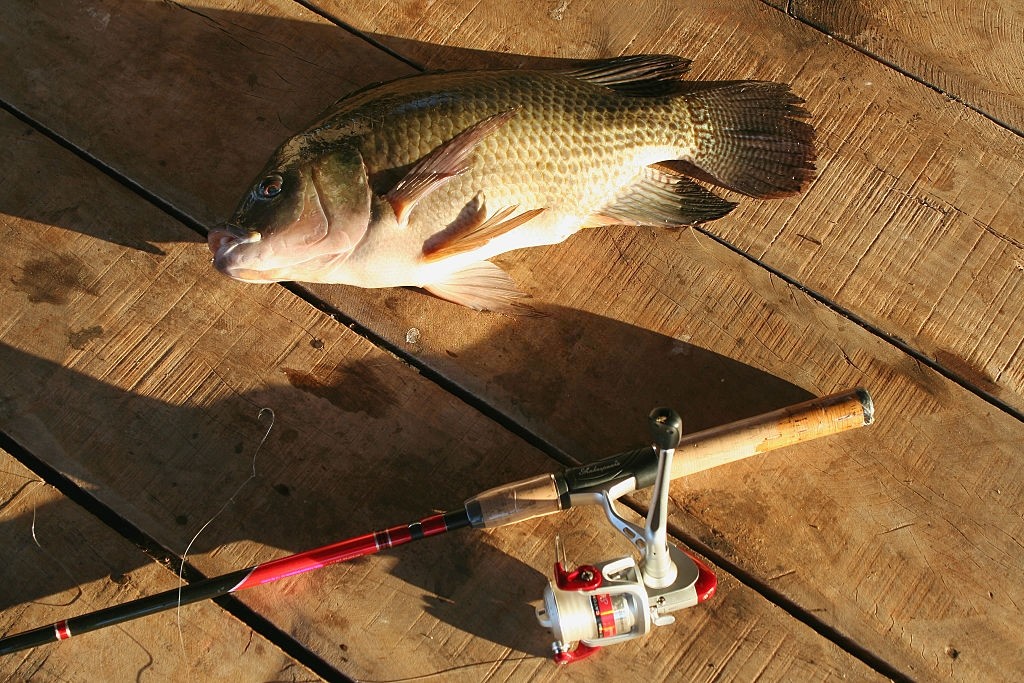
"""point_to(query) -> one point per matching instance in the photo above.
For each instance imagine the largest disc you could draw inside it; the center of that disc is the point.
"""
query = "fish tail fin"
(751, 138)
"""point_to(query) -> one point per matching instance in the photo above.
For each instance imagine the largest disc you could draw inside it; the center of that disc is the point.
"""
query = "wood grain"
(974, 54)
(140, 376)
(914, 223)
(47, 539)
(751, 316)
(917, 236)
(866, 533)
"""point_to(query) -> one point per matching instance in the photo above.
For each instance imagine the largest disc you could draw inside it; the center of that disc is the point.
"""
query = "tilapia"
(419, 181)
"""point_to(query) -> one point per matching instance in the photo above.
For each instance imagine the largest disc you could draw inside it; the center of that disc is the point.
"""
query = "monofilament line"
(229, 501)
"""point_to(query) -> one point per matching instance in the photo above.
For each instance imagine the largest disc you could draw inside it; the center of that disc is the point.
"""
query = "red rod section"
(351, 548)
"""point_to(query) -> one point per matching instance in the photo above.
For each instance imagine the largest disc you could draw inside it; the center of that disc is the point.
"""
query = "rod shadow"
(346, 456)
(157, 463)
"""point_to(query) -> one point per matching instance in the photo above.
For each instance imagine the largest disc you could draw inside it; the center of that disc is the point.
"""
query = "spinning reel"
(609, 602)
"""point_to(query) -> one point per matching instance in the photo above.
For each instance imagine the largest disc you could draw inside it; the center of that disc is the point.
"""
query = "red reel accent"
(583, 578)
(707, 582)
(581, 651)
(604, 612)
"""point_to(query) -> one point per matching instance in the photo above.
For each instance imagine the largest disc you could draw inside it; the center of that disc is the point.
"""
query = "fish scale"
(420, 180)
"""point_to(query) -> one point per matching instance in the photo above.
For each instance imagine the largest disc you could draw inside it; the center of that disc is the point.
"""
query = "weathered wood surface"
(49, 541)
(140, 376)
(918, 209)
(974, 53)
(916, 221)
(900, 538)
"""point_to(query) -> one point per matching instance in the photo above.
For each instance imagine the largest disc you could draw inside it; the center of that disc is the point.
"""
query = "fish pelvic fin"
(750, 138)
(473, 229)
(663, 198)
(636, 75)
(484, 286)
(441, 164)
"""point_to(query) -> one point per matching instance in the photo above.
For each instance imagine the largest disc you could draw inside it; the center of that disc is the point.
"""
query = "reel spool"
(618, 600)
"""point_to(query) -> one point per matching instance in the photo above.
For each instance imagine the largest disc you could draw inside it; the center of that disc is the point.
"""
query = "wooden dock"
(132, 373)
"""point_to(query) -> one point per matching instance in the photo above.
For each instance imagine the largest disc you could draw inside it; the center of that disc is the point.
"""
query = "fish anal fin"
(665, 199)
(441, 164)
(636, 75)
(473, 230)
(682, 167)
(484, 286)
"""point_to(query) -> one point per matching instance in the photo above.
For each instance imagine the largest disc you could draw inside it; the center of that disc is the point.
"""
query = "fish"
(420, 181)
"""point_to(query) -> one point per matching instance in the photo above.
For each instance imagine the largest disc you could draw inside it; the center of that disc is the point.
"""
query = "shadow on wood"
(347, 454)
(144, 457)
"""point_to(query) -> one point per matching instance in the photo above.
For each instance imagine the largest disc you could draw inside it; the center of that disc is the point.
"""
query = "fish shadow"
(348, 452)
(347, 456)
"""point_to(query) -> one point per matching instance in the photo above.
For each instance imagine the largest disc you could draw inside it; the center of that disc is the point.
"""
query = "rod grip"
(762, 433)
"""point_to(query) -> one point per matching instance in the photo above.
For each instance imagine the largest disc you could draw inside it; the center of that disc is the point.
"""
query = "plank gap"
(166, 558)
(312, 661)
(787, 605)
(466, 396)
(788, 11)
(324, 14)
(452, 387)
(900, 344)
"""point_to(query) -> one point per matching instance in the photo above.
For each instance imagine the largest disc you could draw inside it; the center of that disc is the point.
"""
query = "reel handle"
(666, 428)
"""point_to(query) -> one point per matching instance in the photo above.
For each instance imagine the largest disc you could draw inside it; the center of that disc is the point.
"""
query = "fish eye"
(270, 186)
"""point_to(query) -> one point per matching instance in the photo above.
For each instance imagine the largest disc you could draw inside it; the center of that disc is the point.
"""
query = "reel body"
(618, 600)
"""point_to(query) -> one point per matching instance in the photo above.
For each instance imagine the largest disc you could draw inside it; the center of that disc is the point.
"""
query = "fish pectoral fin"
(484, 287)
(636, 75)
(473, 231)
(663, 198)
(441, 164)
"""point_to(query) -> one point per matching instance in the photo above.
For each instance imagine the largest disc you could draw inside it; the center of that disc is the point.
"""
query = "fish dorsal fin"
(473, 229)
(483, 286)
(637, 75)
(663, 198)
(441, 164)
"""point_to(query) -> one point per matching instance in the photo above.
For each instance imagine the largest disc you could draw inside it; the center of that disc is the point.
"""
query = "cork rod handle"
(762, 433)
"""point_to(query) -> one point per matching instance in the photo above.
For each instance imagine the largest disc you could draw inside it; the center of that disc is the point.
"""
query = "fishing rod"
(620, 599)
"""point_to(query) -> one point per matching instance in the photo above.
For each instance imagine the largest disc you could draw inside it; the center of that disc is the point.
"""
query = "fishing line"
(78, 588)
(229, 501)
(53, 558)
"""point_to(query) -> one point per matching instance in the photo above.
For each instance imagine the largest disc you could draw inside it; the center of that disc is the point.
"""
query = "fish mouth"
(221, 241)
(227, 243)
(220, 238)
(226, 239)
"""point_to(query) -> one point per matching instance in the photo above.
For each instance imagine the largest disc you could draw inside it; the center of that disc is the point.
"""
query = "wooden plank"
(140, 375)
(960, 213)
(47, 539)
(973, 55)
(917, 208)
(855, 501)
(866, 531)
(186, 66)
(671, 297)
(916, 221)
